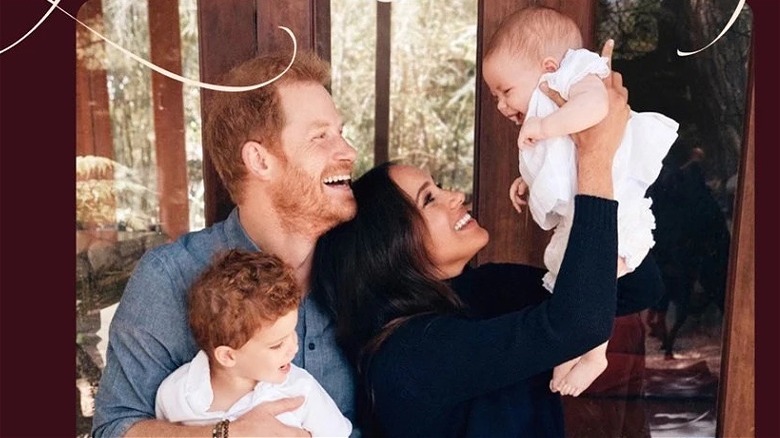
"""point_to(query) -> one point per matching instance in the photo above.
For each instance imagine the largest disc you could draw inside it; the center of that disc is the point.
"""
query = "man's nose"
(346, 151)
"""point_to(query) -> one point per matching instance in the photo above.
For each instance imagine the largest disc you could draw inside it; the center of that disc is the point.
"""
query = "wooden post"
(736, 398)
(165, 45)
(382, 83)
(93, 119)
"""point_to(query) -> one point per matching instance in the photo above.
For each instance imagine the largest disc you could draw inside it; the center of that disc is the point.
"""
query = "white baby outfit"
(549, 167)
(186, 395)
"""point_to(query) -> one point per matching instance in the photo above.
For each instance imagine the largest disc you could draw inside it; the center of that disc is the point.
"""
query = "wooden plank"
(93, 118)
(297, 15)
(165, 46)
(382, 82)
(321, 28)
(736, 407)
(226, 36)
(514, 238)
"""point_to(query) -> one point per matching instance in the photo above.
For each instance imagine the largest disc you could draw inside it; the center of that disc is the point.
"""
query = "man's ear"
(259, 161)
(225, 356)
(549, 64)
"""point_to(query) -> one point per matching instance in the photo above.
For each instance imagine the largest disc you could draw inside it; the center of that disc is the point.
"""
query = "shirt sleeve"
(147, 341)
(575, 65)
(321, 415)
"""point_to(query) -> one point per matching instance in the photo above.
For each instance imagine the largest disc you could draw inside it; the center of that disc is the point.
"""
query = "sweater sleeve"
(448, 359)
(494, 289)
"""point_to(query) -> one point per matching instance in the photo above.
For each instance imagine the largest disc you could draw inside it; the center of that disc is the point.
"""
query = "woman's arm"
(492, 290)
(446, 359)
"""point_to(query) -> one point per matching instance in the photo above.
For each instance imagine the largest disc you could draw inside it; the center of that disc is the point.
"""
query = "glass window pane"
(433, 70)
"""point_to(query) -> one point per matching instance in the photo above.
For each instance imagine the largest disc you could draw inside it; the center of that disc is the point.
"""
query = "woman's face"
(454, 237)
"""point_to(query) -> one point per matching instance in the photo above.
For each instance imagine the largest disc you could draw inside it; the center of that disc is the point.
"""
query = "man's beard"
(303, 207)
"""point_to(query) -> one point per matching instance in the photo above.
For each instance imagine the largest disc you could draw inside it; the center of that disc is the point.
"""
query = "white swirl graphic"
(728, 26)
(160, 70)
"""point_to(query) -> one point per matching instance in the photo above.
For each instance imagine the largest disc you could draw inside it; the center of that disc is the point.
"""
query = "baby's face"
(511, 80)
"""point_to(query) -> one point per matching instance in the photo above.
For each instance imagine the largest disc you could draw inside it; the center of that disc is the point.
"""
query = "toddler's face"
(511, 80)
(267, 355)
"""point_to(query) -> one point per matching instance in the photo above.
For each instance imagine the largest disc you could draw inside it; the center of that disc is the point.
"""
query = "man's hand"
(261, 420)
(530, 132)
(517, 193)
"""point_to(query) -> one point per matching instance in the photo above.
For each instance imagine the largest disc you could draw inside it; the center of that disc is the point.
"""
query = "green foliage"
(432, 81)
(125, 22)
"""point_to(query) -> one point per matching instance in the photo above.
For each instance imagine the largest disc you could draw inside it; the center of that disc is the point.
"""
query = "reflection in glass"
(117, 171)
(664, 369)
(432, 84)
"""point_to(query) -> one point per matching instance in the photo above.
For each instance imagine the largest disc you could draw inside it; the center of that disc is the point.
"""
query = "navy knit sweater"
(488, 374)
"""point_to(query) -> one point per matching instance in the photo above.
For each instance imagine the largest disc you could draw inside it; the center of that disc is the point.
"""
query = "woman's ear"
(549, 64)
(258, 160)
(225, 356)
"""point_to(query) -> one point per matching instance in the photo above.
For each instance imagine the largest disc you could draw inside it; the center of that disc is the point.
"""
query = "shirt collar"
(237, 236)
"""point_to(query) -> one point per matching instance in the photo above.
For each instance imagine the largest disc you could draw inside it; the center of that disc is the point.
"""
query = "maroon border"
(766, 14)
(37, 215)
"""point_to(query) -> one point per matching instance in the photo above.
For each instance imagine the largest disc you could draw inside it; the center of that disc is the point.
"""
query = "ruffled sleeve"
(575, 65)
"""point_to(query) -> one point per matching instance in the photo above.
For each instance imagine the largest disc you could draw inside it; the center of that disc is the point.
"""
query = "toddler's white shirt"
(186, 395)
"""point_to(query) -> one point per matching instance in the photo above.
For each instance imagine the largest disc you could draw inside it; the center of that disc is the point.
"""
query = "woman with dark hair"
(446, 350)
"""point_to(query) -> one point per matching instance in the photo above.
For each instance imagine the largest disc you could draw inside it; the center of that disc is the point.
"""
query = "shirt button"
(311, 345)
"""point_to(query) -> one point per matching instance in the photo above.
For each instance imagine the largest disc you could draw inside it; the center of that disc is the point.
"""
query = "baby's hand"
(517, 192)
(530, 131)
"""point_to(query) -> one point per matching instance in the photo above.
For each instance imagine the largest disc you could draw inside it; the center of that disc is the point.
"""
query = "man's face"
(313, 194)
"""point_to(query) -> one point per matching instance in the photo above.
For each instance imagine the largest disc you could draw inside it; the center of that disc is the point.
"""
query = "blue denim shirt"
(149, 336)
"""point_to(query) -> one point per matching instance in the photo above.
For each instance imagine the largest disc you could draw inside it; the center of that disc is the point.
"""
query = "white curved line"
(184, 80)
(45, 16)
(728, 26)
(161, 70)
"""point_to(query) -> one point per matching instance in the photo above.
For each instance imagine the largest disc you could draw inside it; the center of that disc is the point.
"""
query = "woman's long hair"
(373, 272)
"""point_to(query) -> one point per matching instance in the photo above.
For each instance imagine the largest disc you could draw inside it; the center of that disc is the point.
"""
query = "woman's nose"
(457, 198)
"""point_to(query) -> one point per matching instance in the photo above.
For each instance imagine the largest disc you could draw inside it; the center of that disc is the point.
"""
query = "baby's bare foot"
(560, 372)
(584, 372)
